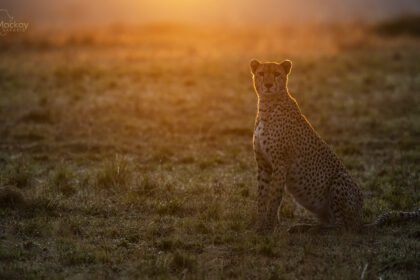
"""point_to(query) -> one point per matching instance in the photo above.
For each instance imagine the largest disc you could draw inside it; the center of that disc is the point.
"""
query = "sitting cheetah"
(291, 155)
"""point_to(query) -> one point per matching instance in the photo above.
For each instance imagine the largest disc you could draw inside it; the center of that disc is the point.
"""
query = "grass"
(133, 150)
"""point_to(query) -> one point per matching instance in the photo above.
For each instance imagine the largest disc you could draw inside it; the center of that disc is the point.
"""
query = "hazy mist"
(53, 13)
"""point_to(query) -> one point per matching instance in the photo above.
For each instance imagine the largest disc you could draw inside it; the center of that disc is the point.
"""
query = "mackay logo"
(8, 24)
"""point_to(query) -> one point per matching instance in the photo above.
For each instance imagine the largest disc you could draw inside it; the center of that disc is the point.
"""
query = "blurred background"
(92, 53)
(72, 13)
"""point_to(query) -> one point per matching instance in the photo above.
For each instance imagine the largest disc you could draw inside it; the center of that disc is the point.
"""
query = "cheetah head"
(270, 77)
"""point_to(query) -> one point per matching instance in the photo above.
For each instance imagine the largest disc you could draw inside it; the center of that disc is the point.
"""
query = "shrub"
(11, 197)
(182, 261)
(19, 174)
(61, 181)
(115, 174)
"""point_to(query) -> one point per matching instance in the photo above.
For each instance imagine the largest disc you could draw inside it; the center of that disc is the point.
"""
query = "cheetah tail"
(395, 217)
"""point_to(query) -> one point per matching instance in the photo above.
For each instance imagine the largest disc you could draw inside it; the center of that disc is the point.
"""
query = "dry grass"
(134, 149)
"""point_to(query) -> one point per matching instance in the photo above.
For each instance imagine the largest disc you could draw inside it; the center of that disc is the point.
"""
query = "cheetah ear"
(287, 65)
(254, 65)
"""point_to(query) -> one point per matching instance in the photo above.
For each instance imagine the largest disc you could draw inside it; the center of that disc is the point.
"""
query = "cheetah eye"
(276, 74)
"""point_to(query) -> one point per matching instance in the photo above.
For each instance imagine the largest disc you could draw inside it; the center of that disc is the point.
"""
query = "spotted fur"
(395, 217)
(291, 156)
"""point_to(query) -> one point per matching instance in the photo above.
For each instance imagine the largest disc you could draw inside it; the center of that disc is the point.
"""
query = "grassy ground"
(133, 149)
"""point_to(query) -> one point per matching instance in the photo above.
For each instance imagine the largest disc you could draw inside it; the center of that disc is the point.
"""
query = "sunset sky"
(52, 13)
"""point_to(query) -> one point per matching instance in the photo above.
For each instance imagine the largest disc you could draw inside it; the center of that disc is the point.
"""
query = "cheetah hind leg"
(313, 228)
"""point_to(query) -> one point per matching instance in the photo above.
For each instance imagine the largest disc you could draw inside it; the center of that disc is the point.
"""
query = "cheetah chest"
(261, 143)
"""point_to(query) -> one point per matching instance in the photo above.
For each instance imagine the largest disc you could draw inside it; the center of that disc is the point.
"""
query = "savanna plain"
(126, 152)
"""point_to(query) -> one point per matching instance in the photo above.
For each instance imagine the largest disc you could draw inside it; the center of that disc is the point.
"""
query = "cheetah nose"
(268, 85)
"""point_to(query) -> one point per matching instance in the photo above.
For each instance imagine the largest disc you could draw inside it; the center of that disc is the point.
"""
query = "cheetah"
(292, 157)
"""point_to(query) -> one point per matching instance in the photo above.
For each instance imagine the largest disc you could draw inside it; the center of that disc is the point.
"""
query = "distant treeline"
(403, 25)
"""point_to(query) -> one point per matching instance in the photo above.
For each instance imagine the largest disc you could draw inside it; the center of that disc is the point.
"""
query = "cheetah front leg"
(271, 200)
(264, 181)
